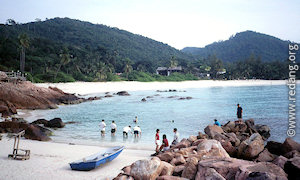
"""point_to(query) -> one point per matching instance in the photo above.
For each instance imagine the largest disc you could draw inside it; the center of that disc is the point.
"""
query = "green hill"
(91, 47)
(243, 45)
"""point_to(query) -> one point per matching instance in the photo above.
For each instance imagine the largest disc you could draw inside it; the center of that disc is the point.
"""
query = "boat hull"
(87, 166)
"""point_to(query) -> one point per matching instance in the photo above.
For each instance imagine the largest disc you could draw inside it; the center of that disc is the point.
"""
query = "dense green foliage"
(65, 50)
(242, 45)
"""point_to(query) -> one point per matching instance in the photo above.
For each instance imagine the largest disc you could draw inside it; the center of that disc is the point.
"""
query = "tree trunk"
(22, 60)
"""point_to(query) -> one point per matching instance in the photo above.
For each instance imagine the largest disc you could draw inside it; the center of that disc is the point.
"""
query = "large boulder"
(190, 168)
(35, 133)
(178, 170)
(184, 143)
(292, 168)
(229, 126)
(262, 170)
(40, 121)
(170, 178)
(146, 169)
(211, 148)
(292, 154)
(167, 169)
(208, 173)
(274, 147)
(166, 156)
(263, 130)
(226, 167)
(280, 161)
(265, 156)
(122, 176)
(3, 76)
(55, 123)
(13, 127)
(123, 93)
(251, 147)
(289, 145)
(212, 130)
(178, 160)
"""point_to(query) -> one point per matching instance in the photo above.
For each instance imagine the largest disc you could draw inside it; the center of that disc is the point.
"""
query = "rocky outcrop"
(55, 123)
(32, 131)
(25, 95)
(207, 156)
(123, 93)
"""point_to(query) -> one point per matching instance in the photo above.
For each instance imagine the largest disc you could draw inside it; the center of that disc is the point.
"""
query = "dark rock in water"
(107, 92)
(149, 97)
(144, 100)
(13, 127)
(44, 130)
(172, 96)
(71, 122)
(172, 90)
(20, 120)
(289, 145)
(33, 132)
(292, 154)
(274, 147)
(40, 121)
(265, 156)
(55, 123)
(182, 98)
(123, 93)
(263, 130)
(108, 95)
(94, 98)
(189, 97)
(280, 161)
(292, 168)
(262, 170)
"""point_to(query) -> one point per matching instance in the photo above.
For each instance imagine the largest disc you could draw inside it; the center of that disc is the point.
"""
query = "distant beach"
(84, 88)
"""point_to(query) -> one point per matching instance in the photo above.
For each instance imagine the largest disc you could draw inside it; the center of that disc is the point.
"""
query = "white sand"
(99, 87)
(50, 160)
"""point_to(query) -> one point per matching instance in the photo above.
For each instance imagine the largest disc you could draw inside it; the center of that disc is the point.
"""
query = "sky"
(179, 23)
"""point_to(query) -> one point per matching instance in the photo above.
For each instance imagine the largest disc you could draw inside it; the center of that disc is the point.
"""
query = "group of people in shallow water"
(127, 129)
(160, 145)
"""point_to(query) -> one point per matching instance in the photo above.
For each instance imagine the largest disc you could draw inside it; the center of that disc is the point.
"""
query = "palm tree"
(24, 42)
(127, 67)
(65, 59)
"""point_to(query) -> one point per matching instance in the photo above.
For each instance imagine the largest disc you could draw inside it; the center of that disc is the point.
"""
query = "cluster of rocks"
(122, 93)
(34, 130)
(233, 151)
(25, 95)
(170, 90)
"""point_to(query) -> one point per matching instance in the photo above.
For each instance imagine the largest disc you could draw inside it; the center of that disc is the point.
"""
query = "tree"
(216, 65)
(173, 62)
(127, 67)
(65, 59)
(24, 43)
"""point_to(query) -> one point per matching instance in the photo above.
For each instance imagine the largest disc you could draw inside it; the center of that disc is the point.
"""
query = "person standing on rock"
(113, 127)
(176, 137)
(239, 112)
(102, 127)
(157, 143)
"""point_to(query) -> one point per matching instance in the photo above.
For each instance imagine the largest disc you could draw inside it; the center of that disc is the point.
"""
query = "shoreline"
(86, 88)
(54, 158)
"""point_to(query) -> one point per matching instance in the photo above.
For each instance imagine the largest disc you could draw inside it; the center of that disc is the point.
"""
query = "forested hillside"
(65, 50)
(83, 50)
(244, 44)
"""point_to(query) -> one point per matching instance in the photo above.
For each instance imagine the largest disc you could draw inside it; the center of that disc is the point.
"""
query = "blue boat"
(95, 160)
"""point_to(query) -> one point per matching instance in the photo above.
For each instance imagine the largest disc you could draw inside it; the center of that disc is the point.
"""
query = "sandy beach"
(50, 160)
(84, 88)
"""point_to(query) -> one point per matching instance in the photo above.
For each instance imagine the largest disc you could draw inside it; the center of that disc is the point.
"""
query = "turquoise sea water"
(265, 104)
